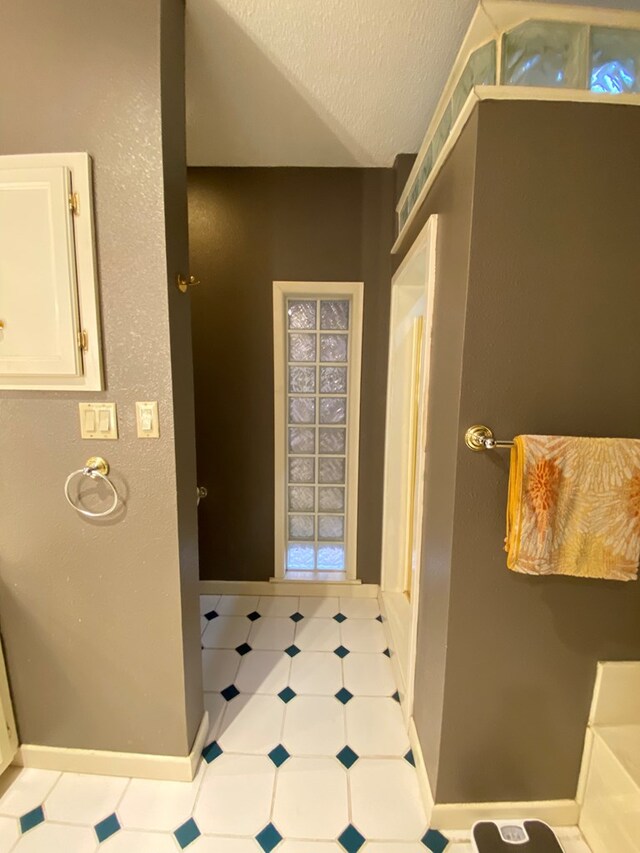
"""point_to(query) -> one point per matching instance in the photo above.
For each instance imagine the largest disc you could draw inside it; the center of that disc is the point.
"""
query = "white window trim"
(320, 290)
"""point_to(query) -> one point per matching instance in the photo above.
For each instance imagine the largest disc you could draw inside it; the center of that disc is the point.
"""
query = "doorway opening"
(412, 295)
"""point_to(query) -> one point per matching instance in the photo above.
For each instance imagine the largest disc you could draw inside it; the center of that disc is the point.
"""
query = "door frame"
(402, 613)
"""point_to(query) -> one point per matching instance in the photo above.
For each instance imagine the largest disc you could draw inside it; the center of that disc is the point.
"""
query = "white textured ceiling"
(317, 82)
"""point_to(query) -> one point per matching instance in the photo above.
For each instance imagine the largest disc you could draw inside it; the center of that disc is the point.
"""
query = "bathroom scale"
(514, 836)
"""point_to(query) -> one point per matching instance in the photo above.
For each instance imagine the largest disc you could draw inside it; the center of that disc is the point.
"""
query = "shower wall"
(249, 227)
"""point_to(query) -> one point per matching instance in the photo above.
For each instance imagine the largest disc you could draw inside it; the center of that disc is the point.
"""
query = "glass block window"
(544, 53)
(615, 61)
(319, 374)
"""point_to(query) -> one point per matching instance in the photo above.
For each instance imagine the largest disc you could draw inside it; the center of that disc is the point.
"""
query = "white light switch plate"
(98, 420)
(147, 419)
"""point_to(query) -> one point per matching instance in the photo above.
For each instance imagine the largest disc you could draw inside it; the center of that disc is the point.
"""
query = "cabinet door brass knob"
(183, 284)
(1, 325)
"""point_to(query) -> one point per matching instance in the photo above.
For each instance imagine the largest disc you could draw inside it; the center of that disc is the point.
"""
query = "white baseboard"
(421, 770)
(176, 768)
(463, 815)
(286, 587)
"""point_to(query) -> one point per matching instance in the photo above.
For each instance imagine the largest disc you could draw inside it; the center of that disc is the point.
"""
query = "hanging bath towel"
(574, 507)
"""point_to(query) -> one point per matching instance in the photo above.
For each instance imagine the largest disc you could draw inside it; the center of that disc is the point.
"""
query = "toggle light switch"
(98, 420)
(147, 419)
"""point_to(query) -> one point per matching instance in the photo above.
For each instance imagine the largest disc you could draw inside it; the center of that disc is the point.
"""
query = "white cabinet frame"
(91, 377)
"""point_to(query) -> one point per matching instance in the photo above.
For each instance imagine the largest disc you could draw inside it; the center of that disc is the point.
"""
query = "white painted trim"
(275, 586)
(553, 812)
(177, 768)
(91, 379)
(317, 290)
(423, 778)
(392, 573)
(460, 815)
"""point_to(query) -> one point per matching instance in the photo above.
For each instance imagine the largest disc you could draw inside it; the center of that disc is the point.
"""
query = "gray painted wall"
(99, 618)
(248, 228)
(536, 332)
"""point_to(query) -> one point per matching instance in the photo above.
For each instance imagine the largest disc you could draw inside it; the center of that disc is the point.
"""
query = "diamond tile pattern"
(279, 755)
(343, 695)
(347, 757)
(187, 833)
(269, 838)
(211, 752)
(351, 840)
(435, 841)
(107, 827)
(287, 695)
(305, 741)
(31, 819)
(230, 692)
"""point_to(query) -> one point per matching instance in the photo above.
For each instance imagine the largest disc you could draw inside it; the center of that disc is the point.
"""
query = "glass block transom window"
(318, 345)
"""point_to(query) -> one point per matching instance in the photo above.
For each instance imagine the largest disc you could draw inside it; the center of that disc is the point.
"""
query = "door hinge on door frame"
(83, 340)
(74, 203)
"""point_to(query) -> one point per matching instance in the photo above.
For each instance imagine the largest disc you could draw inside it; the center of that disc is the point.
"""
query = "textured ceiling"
(317, 82)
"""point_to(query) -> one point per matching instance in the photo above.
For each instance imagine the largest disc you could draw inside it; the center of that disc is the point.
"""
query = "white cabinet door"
(38, 287)
(8, 735)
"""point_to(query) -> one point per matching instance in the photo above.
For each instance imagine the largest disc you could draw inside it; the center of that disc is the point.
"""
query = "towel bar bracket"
(479, 437)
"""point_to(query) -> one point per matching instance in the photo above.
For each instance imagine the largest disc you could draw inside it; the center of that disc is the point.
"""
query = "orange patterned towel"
(574, 507)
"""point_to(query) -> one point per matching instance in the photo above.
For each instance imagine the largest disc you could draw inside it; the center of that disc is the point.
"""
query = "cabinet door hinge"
(74, 203)
(83, 340)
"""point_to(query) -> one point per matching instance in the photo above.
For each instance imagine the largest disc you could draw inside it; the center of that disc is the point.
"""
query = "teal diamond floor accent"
(387, 652)
(343, 695)
(253, 616)
(347, 757)
(211, 615)
(379, 618)
(187, 833)
(243, 649)
(230, 692)
(296, 617)
(409, 757)
(351, 840)
(341, 652)
(107, 827)
(339, 617)
(269, 838)
(279, 755)
(212, 751)
(396, 696)
(31, 819)
(287, 695)
(292, 651)
(435, 841)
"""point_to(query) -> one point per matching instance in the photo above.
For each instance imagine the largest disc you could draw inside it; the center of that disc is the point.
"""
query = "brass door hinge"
(83, 340)
(74, 203)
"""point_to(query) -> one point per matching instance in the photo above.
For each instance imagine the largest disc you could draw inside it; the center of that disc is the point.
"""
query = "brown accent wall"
(249, 227)
(99, 618)
(545, 340)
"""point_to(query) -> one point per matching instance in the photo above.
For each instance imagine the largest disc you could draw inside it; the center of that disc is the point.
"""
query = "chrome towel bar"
(480, 437)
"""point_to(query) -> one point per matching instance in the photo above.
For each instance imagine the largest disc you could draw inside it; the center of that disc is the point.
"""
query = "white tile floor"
(307, 751)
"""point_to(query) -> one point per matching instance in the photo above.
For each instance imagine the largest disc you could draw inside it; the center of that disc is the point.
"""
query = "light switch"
(98, 420)
(147, 419)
